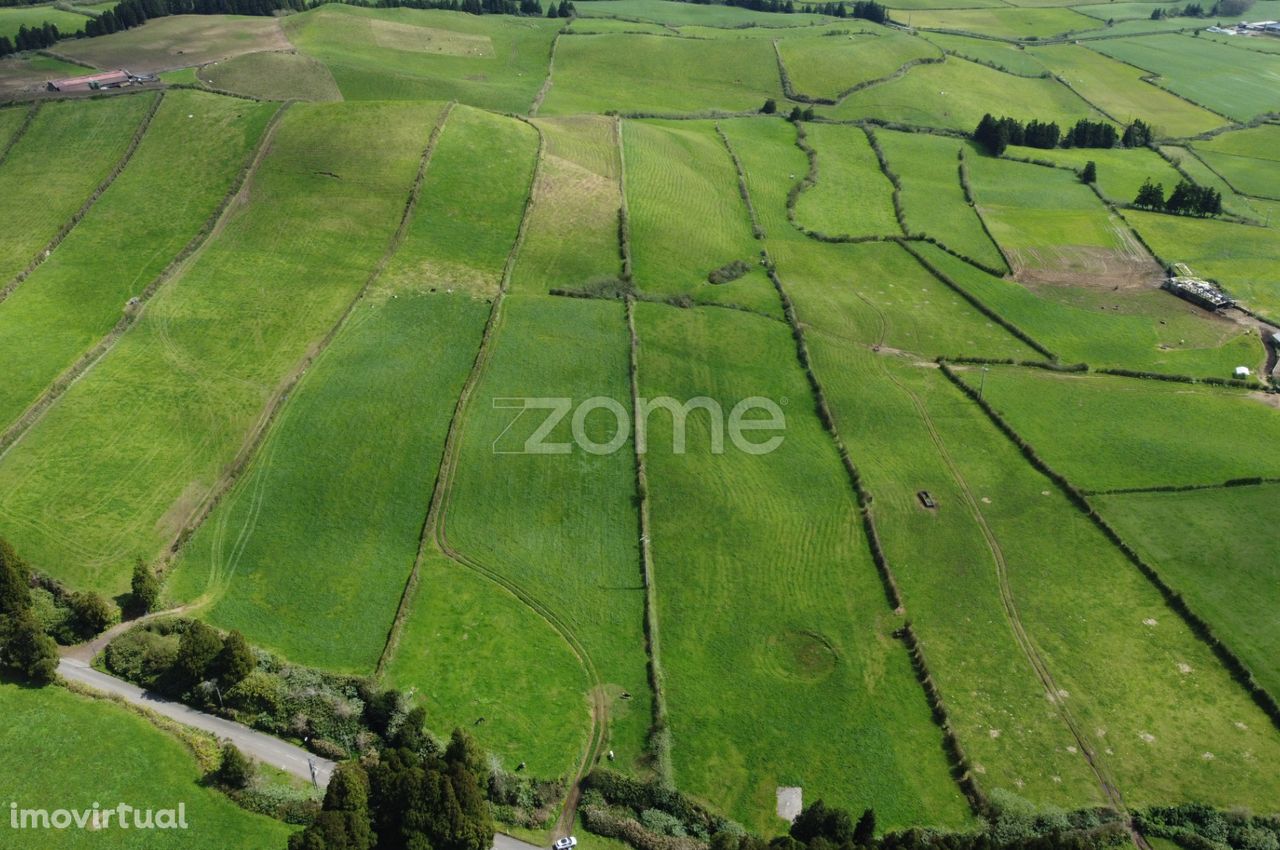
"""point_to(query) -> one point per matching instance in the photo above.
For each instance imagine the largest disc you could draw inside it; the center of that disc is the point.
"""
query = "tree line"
(1186, 199)
(997, 134)
(30, 38)
(1220, 9)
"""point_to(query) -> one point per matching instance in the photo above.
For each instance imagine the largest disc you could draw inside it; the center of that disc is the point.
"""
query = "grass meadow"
(1147, 330)
(673, 14)
(1238, 83)
(90, 140)
(830, 63)
(178, 41)
(818, 693)
(948, 575)
(954, 95)
(1120, 91)
(71, 752)
(1143, 433)
(139, 443)
(933, 199)
(11, 119)
(458, 658)
(129, 236)
(328, 515)
(274, 76)
(493, 62)
(632, 73)
(1247, 158)
(472, 201)
(852, 196)
(1206, 544)
(569, 534)
(1012, 58)
(33, 17)
(686, 216)
(1121, 171)
(1162, 700)
(578, 193)
(1252, 210)
(1004, 23)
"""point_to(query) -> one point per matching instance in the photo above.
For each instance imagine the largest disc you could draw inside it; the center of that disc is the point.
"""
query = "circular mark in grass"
(800, 656)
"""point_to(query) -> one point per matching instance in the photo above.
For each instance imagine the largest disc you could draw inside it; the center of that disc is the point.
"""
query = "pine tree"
(1090, 173)
(864, 834)
(144, 589)
(236, 660)
(1150, 196)
(553, 11)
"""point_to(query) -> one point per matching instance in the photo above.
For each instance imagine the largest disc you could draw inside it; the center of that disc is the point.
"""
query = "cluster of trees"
(526, 8)
(1199, 826)
(798, 114)
(1221, 9)
(1191, 10)
(412, 797)
(1186, 199)
(777, 6)
(564, 10)
(996, 134)
(131, 13)
(25, 650)
(30, 38)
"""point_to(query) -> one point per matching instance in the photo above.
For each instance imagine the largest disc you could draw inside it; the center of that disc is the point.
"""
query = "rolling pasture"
(955, 95)
(33, 17)
(1144, 433)
(1005, 23)
(179, 41)
(186, 386)
(830, 63)
(1247, 158)
(627, 73)
(150, 212)
(272, 75)
(494, 62)
(820, 684)
(932, 196)
(1013, 59)
(90, 140)
(678, 173)
(675, 15)
(570, 538)
(1252, 210)
(852, 196)
(1240, 84)
(1121, 171)
(114, 755)
(1203, 543)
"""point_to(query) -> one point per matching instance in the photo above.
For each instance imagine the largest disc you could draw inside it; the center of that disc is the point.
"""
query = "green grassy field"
(932, 196)
(71, 752)
(569, 528)
(191, 378)
(954, 95)
(1204, 544)
(138, 226)
(1247, 158)
(1142, 432)
(1237, 83)
(1252, 210)
(90, 140)
(1005, 23)
(679, 175)
(494, 62)
(1011, 58)
(318, 518)
(819, 686)
(1162, 700)
(590, 26)
(831, 63)
(33, 17)
(1121, 171)
(1241, 258)
(274, 76)
(1119, 90)
(458, 657)
(680, 14)
(471, 206)
(1147, 330)
(628, 73)
(1059, 235)
(852, 196)
(578, 193)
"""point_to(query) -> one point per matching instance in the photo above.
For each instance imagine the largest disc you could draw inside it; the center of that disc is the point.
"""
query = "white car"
(565, 843)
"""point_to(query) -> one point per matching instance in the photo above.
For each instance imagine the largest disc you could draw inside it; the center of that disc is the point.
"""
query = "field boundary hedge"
(21, 131)
(52, 245)
(1233, 663)
(660, 729)
(967, 188)
(624, 211)
(60, 384)
(789, 90)
(545, 88)
(1251, 481)
(892, 176)
(1152, 78)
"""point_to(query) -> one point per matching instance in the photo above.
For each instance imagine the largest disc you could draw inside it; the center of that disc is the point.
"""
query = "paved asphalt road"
(265, 748)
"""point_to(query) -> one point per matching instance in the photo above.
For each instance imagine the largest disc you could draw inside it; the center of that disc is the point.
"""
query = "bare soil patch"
(1086, 266)
(180, 41)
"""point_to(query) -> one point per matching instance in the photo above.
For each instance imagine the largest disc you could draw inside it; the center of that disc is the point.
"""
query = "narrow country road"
(265, 748)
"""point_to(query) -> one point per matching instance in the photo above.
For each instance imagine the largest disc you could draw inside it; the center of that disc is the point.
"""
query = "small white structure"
(1242, 371)
(790, 802)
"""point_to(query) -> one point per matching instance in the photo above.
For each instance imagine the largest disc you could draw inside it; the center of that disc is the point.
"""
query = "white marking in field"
(994, 733)
(986, 500)
(1044, 493)
(1241, 726)
(1063, 693)
(978, 768)
(1147, 737)
(1057, 779)
(1072, 749)
(1184, 668)
(1100, 732)
(1150, 621)
(1207, 756)
(790, 802)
